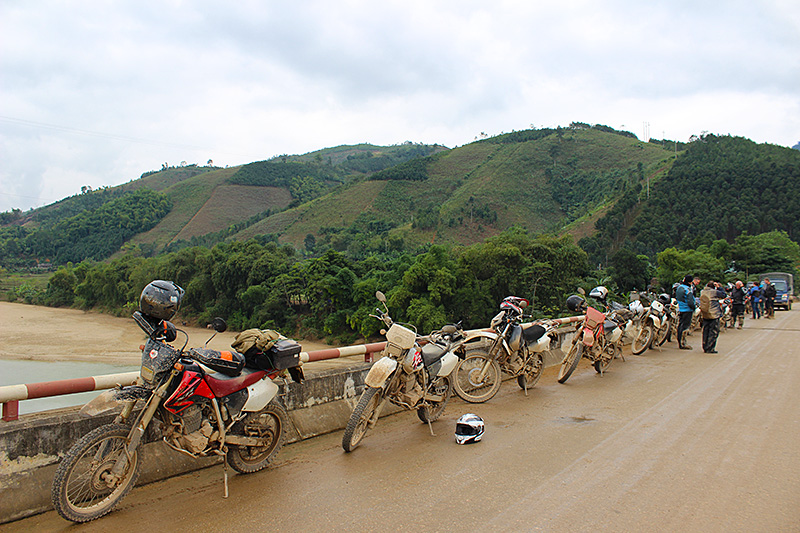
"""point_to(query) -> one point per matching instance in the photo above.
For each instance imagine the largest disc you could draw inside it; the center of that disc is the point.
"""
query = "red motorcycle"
(599, 337)
(207, 402)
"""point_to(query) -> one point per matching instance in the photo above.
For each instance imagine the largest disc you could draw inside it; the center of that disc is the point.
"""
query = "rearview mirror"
(380, 296)
(219, 325)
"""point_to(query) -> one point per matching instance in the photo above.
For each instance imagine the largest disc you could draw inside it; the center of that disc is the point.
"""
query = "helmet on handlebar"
(636, 306)
(664, 298)
(575, 303)
(599, 293)
(160, 299)
(515, 304)
(469, 428)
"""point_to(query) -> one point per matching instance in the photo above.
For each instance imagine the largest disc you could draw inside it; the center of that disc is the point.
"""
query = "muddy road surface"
(668, 441)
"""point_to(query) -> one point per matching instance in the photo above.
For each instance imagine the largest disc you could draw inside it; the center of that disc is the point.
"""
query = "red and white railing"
(11, 395)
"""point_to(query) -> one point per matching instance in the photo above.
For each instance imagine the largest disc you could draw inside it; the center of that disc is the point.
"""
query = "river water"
(15, 372)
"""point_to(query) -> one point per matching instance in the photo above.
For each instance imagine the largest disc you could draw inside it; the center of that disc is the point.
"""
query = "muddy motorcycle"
(414, 372)
(205, 403)
(511, 347)
(598, 338)
(650, 328)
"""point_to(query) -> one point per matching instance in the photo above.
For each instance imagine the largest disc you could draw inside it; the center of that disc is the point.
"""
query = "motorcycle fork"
(136, 433)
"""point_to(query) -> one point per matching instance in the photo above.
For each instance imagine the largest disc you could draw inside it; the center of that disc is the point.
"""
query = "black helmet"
(664, 298)
(574, 303)
(160, 299)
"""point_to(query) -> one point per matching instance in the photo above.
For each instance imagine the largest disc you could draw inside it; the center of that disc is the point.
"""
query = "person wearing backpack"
(711, 310)
(755, 298)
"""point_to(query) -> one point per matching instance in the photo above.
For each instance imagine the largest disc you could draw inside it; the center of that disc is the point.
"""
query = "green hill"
(605, 187)
(541, 181)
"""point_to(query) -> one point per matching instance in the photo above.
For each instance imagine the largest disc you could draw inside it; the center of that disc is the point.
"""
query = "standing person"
(738, 300)
(686, 306)
(710, 297)
(755, 299)
(769, 298)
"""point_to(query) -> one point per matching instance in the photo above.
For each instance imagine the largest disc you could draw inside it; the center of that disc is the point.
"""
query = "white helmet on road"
(469, 428)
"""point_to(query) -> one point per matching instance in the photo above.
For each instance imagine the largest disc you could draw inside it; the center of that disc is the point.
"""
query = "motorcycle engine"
(191, 431)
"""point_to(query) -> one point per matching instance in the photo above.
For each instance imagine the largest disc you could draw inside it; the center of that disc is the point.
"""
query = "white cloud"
(96, 93)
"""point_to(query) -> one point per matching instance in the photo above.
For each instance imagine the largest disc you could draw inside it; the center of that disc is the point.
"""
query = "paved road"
(668, 441)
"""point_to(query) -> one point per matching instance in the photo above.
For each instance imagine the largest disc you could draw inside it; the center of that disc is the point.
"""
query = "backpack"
(261, 339)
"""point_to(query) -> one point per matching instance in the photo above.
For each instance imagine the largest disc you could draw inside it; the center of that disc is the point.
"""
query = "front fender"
(656, 322)
(486, 337)
(106, 401)
(380, 372)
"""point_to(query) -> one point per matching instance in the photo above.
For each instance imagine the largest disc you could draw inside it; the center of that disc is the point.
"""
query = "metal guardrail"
(11, 395)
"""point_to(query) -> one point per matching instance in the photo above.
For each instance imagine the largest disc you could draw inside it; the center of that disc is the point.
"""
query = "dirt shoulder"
(50, 334)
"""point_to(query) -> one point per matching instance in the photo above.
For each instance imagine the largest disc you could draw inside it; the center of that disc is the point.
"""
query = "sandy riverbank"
(49, 334)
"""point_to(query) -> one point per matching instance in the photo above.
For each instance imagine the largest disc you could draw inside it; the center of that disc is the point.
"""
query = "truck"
(784, 287)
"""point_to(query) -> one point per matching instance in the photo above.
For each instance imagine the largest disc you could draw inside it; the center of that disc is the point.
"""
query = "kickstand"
(225, 472)
(430, 426)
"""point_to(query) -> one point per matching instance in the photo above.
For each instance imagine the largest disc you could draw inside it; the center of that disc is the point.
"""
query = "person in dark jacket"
(710, 298)
(769, 298)
(738, 300)
(686, 306)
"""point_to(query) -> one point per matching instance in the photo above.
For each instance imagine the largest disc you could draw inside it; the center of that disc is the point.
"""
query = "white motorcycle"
(411, 375)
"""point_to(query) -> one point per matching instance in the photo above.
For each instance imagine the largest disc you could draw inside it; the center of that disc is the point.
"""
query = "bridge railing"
(11, 395)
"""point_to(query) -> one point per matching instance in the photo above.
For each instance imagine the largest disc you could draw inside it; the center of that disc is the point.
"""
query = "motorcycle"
(512, 346)
(598, 338)
(410, 375)
(650, 327)
(668, 316)
(726, 321)
(205, 402)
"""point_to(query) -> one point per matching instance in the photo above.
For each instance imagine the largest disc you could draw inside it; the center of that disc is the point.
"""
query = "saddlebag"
(282, 355)
(228, 363)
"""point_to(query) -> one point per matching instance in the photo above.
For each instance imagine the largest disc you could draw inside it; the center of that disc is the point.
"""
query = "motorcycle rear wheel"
(442, 386)
(570, 362)
(662, 335)
(468, 384)
(270, 424)
(533, 371)
(608, 355)
(361, 417)
(81, 491)
(642, 340)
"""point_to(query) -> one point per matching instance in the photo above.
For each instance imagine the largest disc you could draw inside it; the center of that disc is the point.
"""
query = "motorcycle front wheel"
(570, 362)
(533, 371)
(477, 377)
(361, 418)
(83, 487)
(269, 424)
(642, 340)
(442, 386)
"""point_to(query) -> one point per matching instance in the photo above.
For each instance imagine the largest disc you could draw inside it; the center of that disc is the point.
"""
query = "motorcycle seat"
(431, 353)
(609, 325)
(223, 385)
(532, 332)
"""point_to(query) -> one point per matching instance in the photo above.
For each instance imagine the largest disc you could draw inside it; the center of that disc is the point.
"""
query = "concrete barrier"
(31, 447)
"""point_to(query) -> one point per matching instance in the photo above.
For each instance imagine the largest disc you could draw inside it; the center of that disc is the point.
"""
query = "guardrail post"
(11, 411)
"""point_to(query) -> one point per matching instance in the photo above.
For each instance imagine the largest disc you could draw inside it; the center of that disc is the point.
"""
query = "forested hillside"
(719, 188)
(93, 233)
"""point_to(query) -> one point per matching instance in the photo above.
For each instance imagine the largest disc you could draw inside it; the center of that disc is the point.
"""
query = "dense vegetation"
(721, 187)
(262, 284)
(91, 234)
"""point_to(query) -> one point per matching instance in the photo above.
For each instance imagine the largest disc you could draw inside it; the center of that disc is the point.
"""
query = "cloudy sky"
(97, 92)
